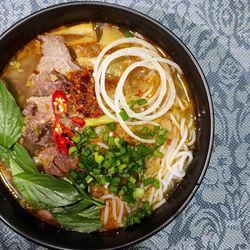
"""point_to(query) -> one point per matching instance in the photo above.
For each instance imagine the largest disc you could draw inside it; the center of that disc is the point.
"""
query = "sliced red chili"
(78, 120)
(61, 136)
(67, 131)
(59, 102)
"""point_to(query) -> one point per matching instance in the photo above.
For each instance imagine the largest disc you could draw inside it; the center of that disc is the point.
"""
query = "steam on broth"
(108, 129)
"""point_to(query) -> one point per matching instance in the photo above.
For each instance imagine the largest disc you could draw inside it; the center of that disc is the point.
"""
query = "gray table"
(218, 34)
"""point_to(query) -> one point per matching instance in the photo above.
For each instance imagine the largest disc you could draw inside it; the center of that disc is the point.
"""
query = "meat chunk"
(55, 163)
(38, 121)
(46, 83)
(54, 64)
(55, 55)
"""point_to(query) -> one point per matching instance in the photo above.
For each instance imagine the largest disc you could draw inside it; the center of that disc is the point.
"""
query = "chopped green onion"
(156, 183)
(115, 180)
(113, 189)
(161, 139)
(124, 115)
(132, 104)
(122, 166)
(146, 205)
(143, 149)
(127, 33)
(111, 141)
(162, 132)
(90, 132)
(148, 181)
(140, 162)
(132, 179)
(158, 154)
(105, 137)
(98, 158)
(111, 126)
(106, 164)
(144, 130)
(142, 102)
(76, 138)
(72, 150)
(138, 193)
(88, 179)
(121, 192)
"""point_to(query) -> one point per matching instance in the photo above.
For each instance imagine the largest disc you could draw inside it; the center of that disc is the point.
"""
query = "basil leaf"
(45, 191)
(23, 159)
(11, 121)
(5, 154)
(15, 168)
(82, 217)
(18, 159)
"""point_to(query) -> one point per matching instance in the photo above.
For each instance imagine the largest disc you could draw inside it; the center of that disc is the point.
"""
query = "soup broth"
(109, 120)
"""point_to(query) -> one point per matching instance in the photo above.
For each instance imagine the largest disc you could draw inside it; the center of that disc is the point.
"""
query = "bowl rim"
(208, 96)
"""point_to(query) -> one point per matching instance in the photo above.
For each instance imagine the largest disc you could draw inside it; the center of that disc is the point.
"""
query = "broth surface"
(84, 42)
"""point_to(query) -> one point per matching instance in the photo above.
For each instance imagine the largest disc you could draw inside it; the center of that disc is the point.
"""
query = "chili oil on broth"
(84, 46)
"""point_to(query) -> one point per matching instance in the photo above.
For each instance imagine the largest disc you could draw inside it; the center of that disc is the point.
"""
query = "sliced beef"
(55, 55)
(38, 121)
(46, 83)
(54, 64)
(55, 163)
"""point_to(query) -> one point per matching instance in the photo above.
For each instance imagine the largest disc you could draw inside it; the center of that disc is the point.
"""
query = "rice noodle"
(121, 212)
(114, 209)
(158, 104)
(117, 205)
(161, 202)
(106, 213)
(177, 155)
(173, 165)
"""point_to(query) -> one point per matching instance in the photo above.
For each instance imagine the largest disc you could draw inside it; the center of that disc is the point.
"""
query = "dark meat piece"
(38, 121)
(55, 62)
(46, 83)
(55, 55)
(82, 94)
(55, 163)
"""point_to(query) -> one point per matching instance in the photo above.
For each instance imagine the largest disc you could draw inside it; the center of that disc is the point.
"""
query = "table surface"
(218, 34)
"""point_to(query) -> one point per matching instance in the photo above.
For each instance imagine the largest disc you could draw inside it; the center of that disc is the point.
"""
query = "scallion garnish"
(138, 193)
(142, 102)
(88, 179)
(124, 115)
(128, 33)
(132, 179)
(72, 150)
(111, 126)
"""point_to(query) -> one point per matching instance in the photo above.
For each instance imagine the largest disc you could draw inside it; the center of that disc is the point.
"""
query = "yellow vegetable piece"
(109, 34)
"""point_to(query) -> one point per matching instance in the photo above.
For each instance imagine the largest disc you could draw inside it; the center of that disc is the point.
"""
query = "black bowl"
(25, 30)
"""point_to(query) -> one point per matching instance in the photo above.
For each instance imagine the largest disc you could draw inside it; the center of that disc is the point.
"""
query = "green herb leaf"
(82, 217)
(45, 191)
(18, 159)
(5, 154)
(23, 159)
(11, 121)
